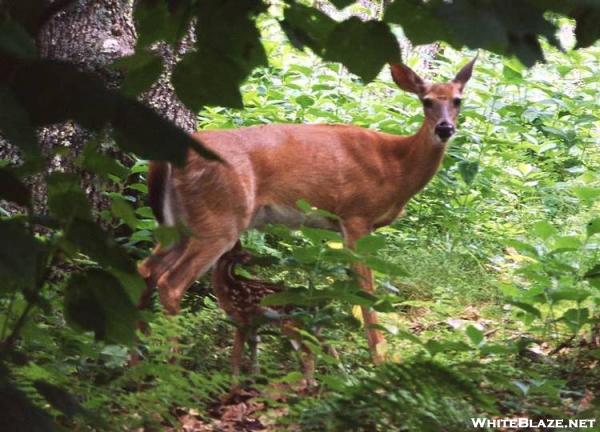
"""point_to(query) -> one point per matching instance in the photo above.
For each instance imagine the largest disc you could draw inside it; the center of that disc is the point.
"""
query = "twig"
(562, 345)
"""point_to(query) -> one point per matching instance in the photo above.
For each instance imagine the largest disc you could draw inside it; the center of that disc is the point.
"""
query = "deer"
(240, 298)
(363, 176)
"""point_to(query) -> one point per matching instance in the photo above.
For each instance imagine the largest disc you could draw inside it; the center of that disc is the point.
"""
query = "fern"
(419, 395)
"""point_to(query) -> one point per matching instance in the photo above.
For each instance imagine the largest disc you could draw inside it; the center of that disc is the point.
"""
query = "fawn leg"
(253, 340)
(237, 351)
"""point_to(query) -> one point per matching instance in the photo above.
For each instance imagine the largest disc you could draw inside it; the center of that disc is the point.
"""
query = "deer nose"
(444, 130)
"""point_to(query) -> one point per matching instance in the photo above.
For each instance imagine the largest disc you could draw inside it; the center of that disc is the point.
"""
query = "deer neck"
(421, 156)
(224, 272)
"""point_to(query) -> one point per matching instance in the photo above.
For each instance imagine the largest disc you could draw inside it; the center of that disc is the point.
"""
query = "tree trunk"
(92, 34)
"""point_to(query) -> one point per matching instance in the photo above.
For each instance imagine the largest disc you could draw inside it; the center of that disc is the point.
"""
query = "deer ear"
(407, 79)
(464, 74)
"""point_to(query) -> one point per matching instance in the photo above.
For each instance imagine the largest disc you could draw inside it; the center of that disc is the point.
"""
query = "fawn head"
(441, 102)
(237, 255)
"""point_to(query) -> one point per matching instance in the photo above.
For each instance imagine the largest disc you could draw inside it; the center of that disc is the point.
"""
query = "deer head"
(441, 102)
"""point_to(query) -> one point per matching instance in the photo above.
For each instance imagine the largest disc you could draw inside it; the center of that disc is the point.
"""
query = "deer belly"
(294, 218)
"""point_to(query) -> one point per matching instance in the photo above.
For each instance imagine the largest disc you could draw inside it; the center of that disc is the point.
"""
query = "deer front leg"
(198, 256)
(237, 351)
(354, 230)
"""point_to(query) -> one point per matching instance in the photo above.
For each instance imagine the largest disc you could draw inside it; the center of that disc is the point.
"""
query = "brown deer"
(240, 298)
(363, 176)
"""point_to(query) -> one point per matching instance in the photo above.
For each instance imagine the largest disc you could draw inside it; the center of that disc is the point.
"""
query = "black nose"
(444, 130)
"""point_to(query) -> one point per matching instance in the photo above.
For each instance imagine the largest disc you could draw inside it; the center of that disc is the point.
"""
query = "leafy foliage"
(415, 395)
(492, 277)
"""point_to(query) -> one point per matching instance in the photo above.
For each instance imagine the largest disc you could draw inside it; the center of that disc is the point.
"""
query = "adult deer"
(363, 176)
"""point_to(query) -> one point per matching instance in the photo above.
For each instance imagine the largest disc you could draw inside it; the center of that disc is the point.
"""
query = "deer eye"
(457, 102)
(427, 103)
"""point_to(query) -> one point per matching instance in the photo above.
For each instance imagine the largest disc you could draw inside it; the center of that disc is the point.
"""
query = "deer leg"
(161, 259)
(237, 351)
(354, 230)
(196, 259)
(253, 340)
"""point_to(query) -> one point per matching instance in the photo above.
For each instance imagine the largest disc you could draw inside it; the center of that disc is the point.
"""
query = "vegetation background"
(488, 287)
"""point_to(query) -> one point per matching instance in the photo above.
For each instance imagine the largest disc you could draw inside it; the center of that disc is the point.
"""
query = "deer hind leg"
(354, 230)
(197, 257)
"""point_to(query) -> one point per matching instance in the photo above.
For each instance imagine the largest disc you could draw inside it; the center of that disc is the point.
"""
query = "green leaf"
(15, 42)
(100, 164)
(133, 134)
(508, 27)
(566, 243)
(308, 254)
(167, 235)
(290, 378)
(410, 337)
(543, 230)
(318, 235)
(22, 256)
(15, 124)
(363, 47)
(208, 79)
(122, 209)
(304, 101)
(285, 298)
(385, 267)
(90, 239)
(12, 189)
(370, 244)
(307, 26)
(593, 227)
(527, 308)
(435, 347)
(141, 70)
(474, 334)
(523, 247)
(310, 210)
(159, 20)
(82, 97)
(571, 294)
(587, 193)
(213, 73)
(96, 301)
(66, 199)
(576, 318)
(468, 170)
